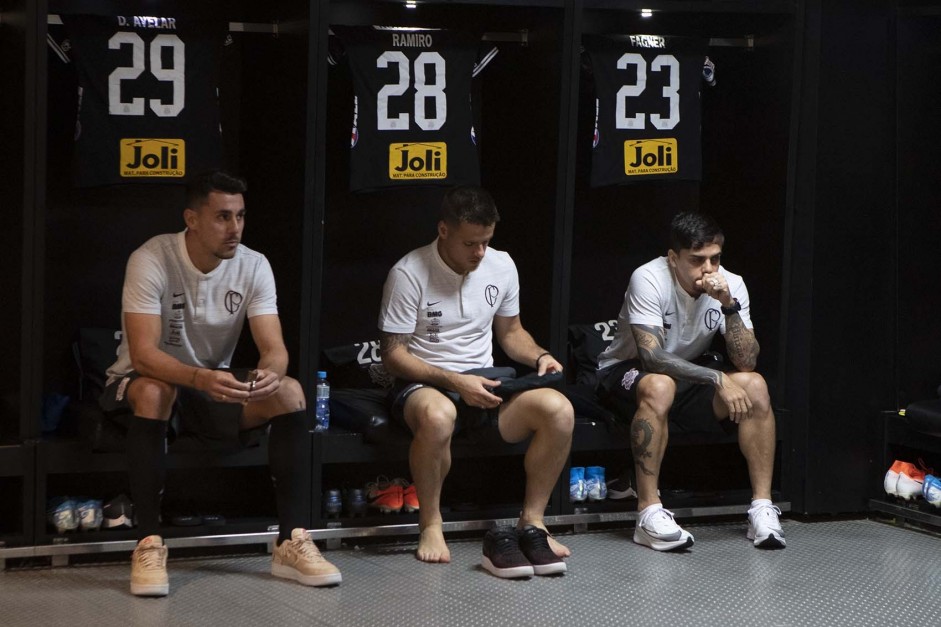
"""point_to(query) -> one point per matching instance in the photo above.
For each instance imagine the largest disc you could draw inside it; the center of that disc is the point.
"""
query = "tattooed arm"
(654, 358)
(741, 343)
(403, 365)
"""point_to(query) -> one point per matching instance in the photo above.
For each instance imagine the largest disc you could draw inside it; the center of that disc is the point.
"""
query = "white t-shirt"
(201, 315)
(449, 315)
(654, 298)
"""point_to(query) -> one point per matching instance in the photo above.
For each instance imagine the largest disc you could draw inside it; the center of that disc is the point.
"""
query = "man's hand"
(548, 363)
(735, 398)
(264, 384)
(473, 390)
(715, 285)
(221, 386)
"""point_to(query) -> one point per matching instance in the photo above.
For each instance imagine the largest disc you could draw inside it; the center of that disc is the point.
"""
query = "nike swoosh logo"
(175, 295)
(669, 313)
(432, 304)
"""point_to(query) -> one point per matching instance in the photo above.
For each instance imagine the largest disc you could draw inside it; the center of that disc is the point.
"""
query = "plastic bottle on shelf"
(322, 407)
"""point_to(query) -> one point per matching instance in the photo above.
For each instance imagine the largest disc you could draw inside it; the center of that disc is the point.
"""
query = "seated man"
(441, 307)
(673, 308)
(186, 298)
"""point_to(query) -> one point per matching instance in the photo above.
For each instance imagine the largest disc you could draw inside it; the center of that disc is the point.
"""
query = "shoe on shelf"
(620, 488)
(118, 512)
(502, 555)
(355, 502)
(89, 514)
(409, 495)
(332, 504)
(891, 480)
(932, 490)
(62, 513)
(300, 559)
(764, 527)
(149, 568)
(384, 495)
(911, 480)
(595, 484)
(534, 544)
(657, 529)
(577, 491)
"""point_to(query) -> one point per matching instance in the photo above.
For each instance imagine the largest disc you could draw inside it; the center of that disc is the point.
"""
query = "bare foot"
(432, 547)
(557, 547)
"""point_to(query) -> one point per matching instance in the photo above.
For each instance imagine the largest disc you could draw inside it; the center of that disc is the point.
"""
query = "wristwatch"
(735, 308)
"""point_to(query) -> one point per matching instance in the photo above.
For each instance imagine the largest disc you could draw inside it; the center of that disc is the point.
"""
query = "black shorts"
(691, 412)
(474, 417)
(197, 415)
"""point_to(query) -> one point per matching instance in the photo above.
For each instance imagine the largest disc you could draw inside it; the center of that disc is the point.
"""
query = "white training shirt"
(449, 315)
(201, 315)
(654, 298)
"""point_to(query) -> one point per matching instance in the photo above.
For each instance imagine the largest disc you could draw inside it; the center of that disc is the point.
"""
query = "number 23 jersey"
(647, 108)
(412, 119)
(148, 97)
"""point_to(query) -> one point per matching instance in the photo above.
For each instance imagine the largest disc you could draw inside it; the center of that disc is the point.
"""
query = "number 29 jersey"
(412, 118)
(148, 97)
(647, 108)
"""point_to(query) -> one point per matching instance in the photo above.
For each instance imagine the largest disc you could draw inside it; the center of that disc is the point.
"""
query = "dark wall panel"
(12, 77)
(851, 377)
(919, 200)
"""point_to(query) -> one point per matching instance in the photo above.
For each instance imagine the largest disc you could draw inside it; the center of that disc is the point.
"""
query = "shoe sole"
(288, 572)
(514, 572)
(111, 523)
(409, 510)
(554, 568)
(644, 539)
(619, 495)
(150, 589)
(384, 509)
(771, 542)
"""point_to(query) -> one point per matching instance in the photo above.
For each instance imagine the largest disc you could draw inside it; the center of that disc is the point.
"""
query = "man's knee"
(755, 387)
(151, 398)
(435, 419)
(556, 409)
(291, 394)
(655, 392)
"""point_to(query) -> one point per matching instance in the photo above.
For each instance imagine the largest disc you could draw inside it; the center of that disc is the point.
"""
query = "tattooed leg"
(649, 435)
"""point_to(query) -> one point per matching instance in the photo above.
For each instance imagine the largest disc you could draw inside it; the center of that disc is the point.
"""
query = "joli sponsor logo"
(426, 160)
(650, 156)
(153, 157)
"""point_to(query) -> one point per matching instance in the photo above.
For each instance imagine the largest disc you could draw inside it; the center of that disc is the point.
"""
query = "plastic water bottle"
(322, 408)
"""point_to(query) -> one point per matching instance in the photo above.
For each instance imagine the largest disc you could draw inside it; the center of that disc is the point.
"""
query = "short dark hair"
(690, 230)
(471, 204)
(200, 186)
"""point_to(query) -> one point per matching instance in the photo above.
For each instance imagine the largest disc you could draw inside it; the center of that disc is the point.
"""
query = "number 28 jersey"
(148, 97)
(647, 108)
(412, 119)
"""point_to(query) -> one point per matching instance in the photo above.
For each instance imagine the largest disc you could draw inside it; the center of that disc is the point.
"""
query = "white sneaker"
(657, 529)
(764, 528)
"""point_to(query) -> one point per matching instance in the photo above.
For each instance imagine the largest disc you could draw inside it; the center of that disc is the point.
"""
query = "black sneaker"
(502, 555)
(118, 512)
(534, 543)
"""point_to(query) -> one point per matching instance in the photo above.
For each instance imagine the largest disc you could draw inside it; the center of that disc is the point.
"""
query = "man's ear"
(189, 218)
(671, 258)
(442, 229)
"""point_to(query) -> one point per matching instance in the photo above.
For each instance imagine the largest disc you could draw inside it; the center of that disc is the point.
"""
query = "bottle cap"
(321, 374)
